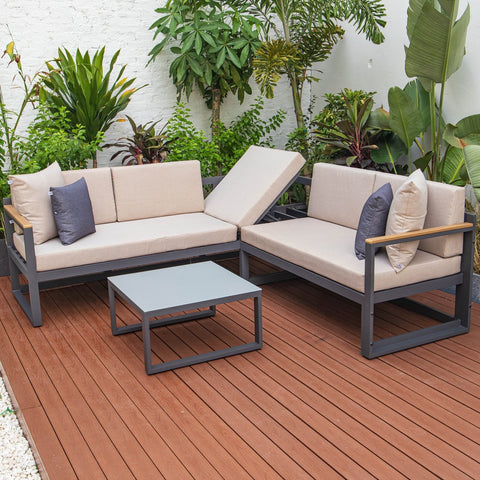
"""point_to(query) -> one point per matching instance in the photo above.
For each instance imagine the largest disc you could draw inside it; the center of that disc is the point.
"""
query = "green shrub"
(48, 140)
(218, 157)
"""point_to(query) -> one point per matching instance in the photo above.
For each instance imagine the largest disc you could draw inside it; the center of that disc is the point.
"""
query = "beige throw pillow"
(407, 213)
(30, 196)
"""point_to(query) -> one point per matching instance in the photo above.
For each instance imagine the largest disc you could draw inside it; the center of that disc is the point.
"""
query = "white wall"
(39, 27)
(359, 64)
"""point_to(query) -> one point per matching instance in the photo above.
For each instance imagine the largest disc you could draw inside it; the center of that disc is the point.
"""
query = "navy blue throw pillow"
(373, 219)
(72, 210)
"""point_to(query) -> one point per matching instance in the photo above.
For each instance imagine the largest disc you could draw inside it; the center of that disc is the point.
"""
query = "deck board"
(307, 405)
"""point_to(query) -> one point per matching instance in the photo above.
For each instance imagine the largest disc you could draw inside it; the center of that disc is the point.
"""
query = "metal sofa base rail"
(37, 281)
(449, 326)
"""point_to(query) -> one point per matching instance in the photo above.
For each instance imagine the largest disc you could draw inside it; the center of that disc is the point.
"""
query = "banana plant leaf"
(437, 40)
(390, 149)
(379, 119)
(453, 168)
(421, 97)
(405, 118)
(472, 162)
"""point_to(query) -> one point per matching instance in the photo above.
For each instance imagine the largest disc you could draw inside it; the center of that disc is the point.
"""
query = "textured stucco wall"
(39, 27)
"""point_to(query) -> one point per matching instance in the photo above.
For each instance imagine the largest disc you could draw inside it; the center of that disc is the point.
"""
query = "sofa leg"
(463, 303)
(367, 326)
(35, 306)
(244, 265)
(31, 308)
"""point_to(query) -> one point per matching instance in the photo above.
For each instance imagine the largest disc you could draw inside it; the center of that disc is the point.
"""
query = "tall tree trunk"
(297, 101)
(216, 102)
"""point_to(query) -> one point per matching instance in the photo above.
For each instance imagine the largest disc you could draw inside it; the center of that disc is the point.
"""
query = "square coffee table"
(176, 289)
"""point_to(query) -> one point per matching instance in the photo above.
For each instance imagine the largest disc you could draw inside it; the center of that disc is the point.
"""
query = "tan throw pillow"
(30, 196)
(407, 213)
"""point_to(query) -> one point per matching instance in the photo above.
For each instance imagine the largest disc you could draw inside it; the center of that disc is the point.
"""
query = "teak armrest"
(20, 220)
(419, 234)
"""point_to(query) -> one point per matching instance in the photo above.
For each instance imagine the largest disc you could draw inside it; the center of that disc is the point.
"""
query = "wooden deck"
(307, 405)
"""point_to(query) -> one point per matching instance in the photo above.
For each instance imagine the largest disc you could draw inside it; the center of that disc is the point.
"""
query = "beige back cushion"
(100, 189)
(30, 196)
(253, 184)
(338, 193)
(156, 190)
(446, 206)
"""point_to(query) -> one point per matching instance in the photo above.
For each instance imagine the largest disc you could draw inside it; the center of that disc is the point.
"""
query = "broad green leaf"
(472, 162)
(188, 42)
(468, 125)
(421, 97)
(234, 58)
(449, 135)
(453, 164)
(413, 12)
(208, 38)
(466, 132)
(244, 54)
(198, 44)
(380, 119)
(195, 66)
(390, 149)
(221, 57)
(437, 43)
(405, 118)
(422, 162)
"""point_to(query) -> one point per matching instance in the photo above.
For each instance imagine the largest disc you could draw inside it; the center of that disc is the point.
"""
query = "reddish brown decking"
(306, 406)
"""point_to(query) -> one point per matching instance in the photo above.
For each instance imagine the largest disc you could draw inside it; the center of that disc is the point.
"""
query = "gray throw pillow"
(373, 219)
(72, 211)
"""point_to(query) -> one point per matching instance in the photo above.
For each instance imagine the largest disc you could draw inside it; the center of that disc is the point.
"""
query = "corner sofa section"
(320, 248)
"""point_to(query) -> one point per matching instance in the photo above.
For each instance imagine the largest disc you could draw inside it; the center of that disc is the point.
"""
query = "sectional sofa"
(143, 216)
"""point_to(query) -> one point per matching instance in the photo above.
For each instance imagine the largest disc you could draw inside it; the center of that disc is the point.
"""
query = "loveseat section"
(132, 218)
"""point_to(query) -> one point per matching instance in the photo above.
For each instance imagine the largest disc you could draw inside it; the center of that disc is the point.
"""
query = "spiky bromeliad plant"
(90, 95)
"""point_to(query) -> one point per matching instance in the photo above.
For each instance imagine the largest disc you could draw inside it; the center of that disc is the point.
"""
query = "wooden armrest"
(15, 215)
(418, 234)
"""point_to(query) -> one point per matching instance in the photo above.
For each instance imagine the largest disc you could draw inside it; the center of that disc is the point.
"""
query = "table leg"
(258, 320)
(147, 348)
(113, 314)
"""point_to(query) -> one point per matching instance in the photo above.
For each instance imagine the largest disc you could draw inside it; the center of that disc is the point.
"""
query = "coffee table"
(172, 290)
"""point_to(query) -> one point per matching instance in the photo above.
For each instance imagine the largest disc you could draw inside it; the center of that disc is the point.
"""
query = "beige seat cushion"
(113, 241)
(338, 193)
(326, 248)
(407, 214)
(253, 185)
(30, 196)
(100, 189)
(156, 190)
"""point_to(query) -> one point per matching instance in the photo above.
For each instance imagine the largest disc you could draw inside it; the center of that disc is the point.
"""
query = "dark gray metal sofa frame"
(36, 281)
(449, 326)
